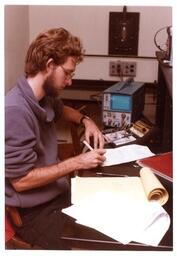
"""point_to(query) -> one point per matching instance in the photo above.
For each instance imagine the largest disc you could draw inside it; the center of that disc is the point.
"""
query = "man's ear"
(50, 65)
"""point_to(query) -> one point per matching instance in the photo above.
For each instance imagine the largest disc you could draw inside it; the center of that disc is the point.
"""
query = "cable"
(155, 41)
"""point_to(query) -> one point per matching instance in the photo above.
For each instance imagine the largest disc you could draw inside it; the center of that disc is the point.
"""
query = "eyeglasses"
(68, 73)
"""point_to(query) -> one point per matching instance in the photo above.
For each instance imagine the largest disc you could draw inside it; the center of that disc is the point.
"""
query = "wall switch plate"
(122, 68)
(119, 68)
(112, 68)
(115, 68)
(128, 68)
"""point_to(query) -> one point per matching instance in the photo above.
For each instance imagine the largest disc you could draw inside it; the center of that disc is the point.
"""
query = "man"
(36, 180)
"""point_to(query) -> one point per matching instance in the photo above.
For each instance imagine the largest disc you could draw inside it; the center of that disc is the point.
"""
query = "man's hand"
(90, 159)
(92, 131)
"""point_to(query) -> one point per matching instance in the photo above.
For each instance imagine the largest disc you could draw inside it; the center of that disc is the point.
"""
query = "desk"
(82, 237)
(164, 104)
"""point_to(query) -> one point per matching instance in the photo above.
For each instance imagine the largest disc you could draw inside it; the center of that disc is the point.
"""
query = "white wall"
(16, 42)
(91, 23)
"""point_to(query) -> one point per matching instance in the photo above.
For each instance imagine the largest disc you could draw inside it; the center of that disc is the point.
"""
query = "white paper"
(83, 187)
(126, 154)
(122, 219)
(159, 222)
(107, 206)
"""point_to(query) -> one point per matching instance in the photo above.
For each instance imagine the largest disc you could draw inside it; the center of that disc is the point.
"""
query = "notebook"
(160, 164)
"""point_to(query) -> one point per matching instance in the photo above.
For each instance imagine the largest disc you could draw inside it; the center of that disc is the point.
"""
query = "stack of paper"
(126, 215)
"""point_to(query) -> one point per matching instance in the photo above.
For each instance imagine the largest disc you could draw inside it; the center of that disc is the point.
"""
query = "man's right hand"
(91, 159)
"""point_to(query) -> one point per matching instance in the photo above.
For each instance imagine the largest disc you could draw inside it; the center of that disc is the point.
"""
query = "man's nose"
(69, 82)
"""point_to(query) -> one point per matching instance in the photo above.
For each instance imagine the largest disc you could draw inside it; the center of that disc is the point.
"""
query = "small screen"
(120, 102)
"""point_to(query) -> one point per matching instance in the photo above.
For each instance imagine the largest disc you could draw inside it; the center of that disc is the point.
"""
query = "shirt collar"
(43, 109)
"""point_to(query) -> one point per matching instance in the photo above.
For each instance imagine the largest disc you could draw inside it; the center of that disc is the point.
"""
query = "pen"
(106, 138)
(110, 174)
(87, 145)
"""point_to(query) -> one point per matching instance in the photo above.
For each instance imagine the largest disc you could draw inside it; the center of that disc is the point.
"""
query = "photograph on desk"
(114, 198)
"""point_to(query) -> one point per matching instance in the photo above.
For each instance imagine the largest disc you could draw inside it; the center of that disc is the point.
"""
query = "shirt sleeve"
(20, 140)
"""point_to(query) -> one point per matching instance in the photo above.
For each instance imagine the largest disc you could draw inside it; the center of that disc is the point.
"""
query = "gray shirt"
(30, 142)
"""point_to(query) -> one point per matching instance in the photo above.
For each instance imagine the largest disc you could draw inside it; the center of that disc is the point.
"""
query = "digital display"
(121, 102)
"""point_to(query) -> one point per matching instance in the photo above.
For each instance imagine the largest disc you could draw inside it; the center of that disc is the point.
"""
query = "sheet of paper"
(126, 154)
(153, 188)
(83, 187)
(153, 234)
(146, 187)
(118, 207)
(123, 220)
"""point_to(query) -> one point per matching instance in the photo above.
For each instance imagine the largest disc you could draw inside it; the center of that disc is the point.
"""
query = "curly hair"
(56, 43)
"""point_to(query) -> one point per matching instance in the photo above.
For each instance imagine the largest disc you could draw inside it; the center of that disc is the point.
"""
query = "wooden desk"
(164, 104)
(82, 237)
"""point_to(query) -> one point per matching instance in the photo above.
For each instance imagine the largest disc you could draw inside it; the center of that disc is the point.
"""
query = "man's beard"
(49, 87)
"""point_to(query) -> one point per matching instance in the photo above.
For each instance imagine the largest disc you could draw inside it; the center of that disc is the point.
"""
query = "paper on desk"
(121, 220)
(122, 187)
(126, 154)
(153, 234)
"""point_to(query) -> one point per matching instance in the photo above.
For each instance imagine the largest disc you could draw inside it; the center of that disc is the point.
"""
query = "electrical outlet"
(119, 68)
(122, 68)
(115, 68)
(112, 68)
(128, 68)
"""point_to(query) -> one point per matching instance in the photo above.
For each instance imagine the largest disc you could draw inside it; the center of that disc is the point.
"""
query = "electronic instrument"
(123, 103)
